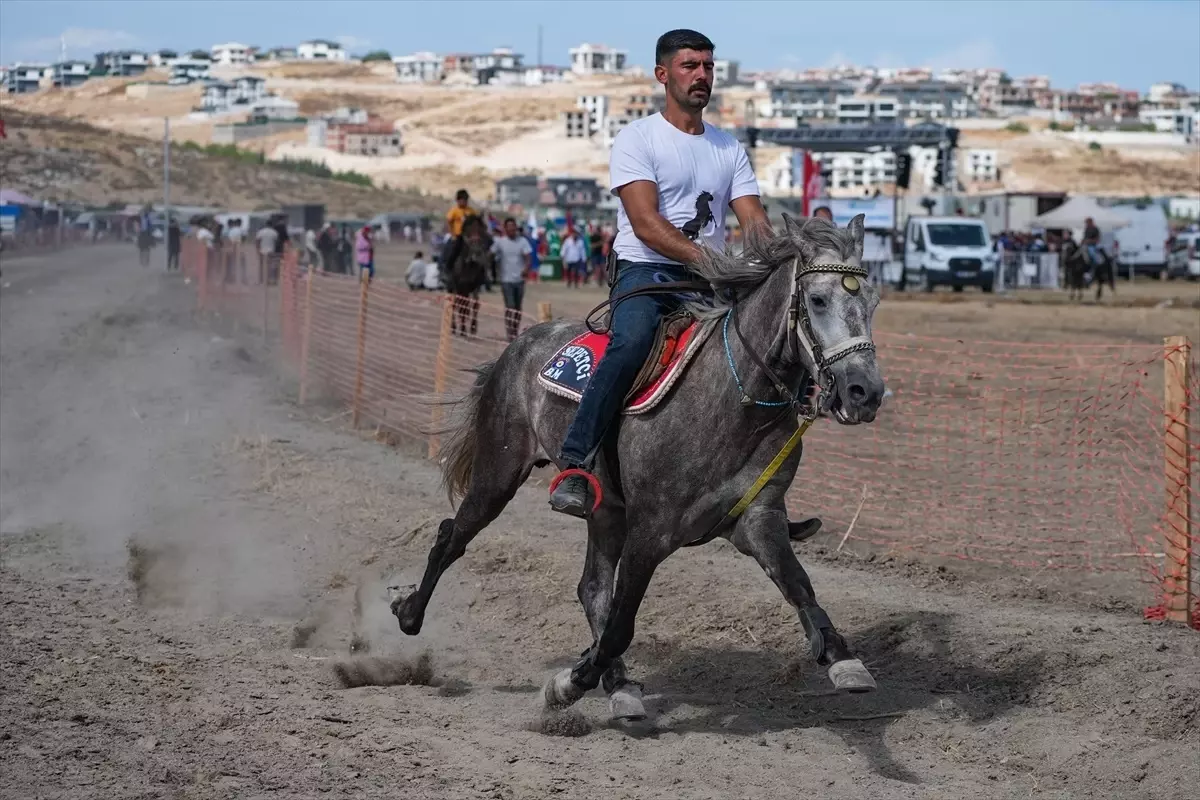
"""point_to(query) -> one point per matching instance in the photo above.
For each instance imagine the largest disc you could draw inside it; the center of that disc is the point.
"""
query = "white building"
(1172, 120)
(1166, 91)
(978, 166)
(596, 106)
(1184, 207)
(849, 171)
(501, 58)
(423, 67)
(725, 72)
(576, 124)
(231, 53)
(187, 70)
(271, 106)
(539, 76)
(320, 50)
(24, 78)
(70, 73)
(597, 59)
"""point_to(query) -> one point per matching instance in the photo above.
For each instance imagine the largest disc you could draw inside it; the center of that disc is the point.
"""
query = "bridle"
(801, 335)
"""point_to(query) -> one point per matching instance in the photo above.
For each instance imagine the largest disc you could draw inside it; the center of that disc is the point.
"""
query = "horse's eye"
(817, 301)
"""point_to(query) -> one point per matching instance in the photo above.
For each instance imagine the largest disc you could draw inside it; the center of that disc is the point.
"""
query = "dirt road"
(185, 556)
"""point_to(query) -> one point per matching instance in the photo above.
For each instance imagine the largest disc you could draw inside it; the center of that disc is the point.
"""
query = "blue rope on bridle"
(746, 399)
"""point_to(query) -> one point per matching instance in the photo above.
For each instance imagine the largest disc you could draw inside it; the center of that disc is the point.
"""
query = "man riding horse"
(675, 177)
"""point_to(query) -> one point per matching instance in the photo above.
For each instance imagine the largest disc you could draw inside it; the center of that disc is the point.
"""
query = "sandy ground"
(186, 555)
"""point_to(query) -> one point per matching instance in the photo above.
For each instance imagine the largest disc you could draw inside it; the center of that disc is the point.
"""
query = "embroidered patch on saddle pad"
(568, 372)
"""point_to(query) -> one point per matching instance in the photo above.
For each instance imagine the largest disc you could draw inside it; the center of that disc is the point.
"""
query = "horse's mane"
(762, 254)
(472, 222)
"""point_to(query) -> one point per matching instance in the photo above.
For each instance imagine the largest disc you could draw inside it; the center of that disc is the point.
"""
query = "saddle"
(678, 339)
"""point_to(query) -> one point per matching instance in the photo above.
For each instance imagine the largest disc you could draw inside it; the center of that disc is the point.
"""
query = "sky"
(1130, 42)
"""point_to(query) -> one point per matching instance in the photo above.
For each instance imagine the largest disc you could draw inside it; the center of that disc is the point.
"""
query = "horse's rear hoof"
(560, 691)
(851, 676)
(625, 704)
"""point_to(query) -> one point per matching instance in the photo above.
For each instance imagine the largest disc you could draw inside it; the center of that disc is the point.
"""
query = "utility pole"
(167, 188)
(539, 46)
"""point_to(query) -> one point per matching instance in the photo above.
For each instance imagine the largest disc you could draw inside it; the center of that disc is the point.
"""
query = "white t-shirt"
(683, 166)
(433, 277)
(234, 234)
(511, 254)
(416, 273)
(267, 237)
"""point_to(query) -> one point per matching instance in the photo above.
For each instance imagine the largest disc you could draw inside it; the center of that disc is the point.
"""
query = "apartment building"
(422, 67)
(597, 59)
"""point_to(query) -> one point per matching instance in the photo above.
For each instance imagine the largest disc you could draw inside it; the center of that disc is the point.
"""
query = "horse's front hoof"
(626, 705)
(560, 691)
(851, 676)
(410, 621)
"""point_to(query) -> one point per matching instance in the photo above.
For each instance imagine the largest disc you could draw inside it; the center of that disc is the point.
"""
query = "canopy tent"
(1072, 214)
(11, 197)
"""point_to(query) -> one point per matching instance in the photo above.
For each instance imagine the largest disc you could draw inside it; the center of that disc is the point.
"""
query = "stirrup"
(593, 483)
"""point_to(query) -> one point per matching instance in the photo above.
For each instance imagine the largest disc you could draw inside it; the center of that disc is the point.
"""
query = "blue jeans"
(634, 325)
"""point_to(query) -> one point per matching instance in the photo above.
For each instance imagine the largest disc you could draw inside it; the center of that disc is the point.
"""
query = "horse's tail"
(462, 436)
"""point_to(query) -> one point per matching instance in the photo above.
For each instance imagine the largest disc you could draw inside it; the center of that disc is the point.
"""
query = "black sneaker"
(573, 496)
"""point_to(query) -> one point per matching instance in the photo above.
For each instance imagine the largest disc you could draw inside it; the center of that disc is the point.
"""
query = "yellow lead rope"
(767, 473)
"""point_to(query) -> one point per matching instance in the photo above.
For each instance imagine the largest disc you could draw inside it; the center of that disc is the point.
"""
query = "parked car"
(1184, 259)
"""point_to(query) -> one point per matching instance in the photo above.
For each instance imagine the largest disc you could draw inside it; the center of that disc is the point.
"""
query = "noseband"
(802, 335)
(800, 327)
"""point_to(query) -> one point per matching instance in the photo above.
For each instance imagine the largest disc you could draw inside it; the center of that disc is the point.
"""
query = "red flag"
(3, 134)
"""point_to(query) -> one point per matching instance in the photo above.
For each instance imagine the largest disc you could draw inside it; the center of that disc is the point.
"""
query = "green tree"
(377, 55)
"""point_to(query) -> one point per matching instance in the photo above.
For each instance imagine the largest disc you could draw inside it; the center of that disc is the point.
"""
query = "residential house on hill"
(70, 73)
(122, 63)
(320, 50)
(282, 54)
(188, 70)
(597, 59)
(422, 67)
(232, 53)
(24, 78)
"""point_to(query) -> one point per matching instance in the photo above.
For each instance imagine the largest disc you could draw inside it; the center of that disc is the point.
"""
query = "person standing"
(311, 249)
(174, 241)
(266, 239)
(514, 257)
(327, 247)
(364, 253)
(574, 258)
(675, 178)
(282, 239)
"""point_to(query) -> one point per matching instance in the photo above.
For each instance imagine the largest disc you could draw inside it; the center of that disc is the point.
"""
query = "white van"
(1141, 246)
(1184, 258)
(949, 251)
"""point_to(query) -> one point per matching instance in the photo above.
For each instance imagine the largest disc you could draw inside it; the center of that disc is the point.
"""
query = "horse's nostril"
(857, 393)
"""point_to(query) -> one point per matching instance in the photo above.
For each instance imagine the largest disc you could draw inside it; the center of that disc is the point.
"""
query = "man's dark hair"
(672, 42)
(819, 209)
(419, 254)
(509, 219)
(461, 194)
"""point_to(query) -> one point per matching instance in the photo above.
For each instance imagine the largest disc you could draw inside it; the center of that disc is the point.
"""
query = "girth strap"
(759, 484)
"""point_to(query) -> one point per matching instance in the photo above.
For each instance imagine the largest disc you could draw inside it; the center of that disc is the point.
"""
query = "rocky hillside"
(70, 161)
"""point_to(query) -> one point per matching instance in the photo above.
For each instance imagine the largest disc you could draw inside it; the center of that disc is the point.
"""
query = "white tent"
(1072, 214)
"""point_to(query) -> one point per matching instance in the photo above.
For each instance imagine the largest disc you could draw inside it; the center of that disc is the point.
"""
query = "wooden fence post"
(362, 346)
(544, 313)
(305, 333)
(445, 342)
(1177, 578)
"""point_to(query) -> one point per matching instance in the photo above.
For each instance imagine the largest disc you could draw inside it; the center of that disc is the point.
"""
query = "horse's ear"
(791, 227)
(858, 230)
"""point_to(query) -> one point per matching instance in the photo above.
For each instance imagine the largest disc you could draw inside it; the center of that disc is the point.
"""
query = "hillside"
(70, 161)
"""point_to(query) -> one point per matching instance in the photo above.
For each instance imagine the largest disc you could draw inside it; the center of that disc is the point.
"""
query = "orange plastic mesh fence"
(1059, 463)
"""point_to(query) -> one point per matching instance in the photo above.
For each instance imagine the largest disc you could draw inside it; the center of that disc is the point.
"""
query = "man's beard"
(695, 100)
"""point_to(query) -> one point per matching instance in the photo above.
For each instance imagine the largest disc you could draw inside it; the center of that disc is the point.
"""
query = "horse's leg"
(501, 466)
(640, 556)
(606, 536)
(763, 535)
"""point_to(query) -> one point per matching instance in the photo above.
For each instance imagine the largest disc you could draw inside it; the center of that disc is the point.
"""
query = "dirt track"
(183, 554)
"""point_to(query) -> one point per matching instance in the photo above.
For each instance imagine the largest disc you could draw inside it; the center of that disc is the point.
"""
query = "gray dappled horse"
(802, 310)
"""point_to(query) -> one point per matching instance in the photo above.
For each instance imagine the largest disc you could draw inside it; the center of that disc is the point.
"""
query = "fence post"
(445, 342)
(200, 262)
(1177, 578)
(305, 333)
(362, 346)
(544, 313)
